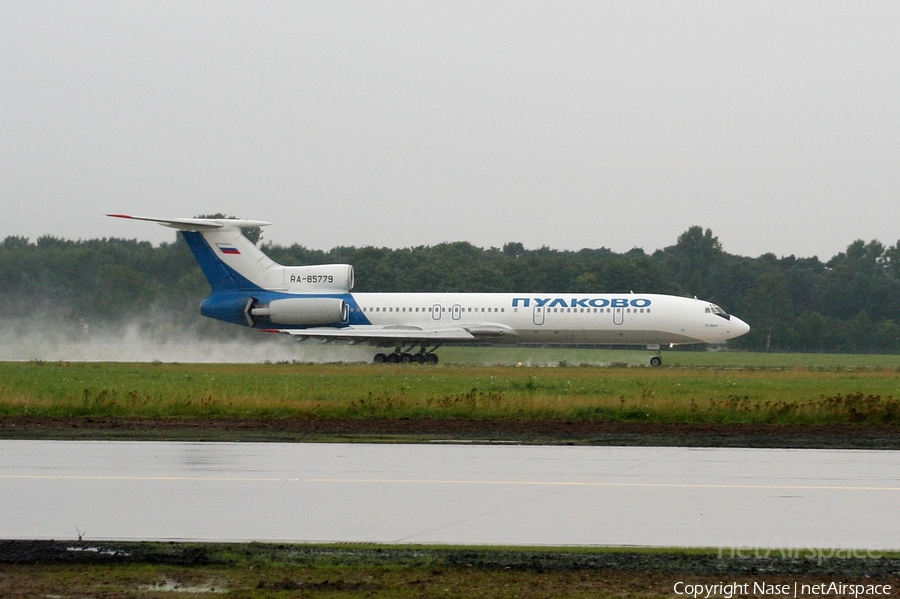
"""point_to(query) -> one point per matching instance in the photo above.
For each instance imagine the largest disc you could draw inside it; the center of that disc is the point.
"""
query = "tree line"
(851, 303)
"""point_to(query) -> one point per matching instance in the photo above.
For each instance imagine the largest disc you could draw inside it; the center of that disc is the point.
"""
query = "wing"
(380, 335)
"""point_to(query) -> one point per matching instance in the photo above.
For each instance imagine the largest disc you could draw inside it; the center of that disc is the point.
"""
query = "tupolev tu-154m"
(317, 302)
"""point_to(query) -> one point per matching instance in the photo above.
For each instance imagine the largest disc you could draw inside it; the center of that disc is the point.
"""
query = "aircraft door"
(456, 311)
(538, 315)
(618, 315)
(436, 311)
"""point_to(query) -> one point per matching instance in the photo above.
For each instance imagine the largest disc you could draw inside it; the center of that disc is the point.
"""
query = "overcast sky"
(565, 124)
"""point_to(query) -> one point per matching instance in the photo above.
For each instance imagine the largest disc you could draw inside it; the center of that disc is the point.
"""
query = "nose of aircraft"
(737, 327)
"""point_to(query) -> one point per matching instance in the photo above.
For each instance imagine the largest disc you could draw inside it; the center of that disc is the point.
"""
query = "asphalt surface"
(733, 499)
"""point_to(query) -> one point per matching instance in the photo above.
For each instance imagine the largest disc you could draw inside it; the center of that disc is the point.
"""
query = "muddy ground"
(533, 431)
(773, 562)
(96, 569)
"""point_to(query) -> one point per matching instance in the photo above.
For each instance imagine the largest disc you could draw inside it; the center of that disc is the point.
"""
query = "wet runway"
(455, 494)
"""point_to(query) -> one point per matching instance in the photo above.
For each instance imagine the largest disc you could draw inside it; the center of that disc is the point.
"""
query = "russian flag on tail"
(228, 249)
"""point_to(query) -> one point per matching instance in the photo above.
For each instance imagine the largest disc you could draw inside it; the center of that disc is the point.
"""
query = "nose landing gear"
(657, 359)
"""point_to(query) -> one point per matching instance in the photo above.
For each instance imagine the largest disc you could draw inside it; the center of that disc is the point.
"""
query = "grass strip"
(794, 396)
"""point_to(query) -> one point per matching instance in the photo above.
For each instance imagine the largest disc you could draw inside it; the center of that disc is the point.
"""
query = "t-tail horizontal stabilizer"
(233, 264)
(198, 224)
(229, 260)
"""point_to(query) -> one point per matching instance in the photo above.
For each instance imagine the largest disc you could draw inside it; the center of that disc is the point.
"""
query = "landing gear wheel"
(655, 361)
(405, 358)
(418, 358)
(393, 358)
(431, 358)
(380, 358)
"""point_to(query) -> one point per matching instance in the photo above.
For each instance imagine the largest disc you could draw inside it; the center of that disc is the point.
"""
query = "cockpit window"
(719, 311)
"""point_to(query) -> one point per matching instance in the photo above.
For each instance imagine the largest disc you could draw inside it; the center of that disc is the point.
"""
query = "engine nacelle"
(321, 278)
(305, 310)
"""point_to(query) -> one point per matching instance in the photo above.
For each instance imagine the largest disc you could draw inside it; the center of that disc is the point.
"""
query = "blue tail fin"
(220, 276)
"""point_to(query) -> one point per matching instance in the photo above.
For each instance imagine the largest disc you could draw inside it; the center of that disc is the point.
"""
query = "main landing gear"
(398, 356)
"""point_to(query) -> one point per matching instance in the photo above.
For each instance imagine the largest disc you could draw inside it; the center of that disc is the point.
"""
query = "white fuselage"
(629, 319)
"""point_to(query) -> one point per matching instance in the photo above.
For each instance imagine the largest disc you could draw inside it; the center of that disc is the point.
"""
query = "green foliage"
(105, 280)
(851, 303)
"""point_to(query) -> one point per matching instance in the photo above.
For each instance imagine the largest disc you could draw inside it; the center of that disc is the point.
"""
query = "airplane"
(317, 302)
